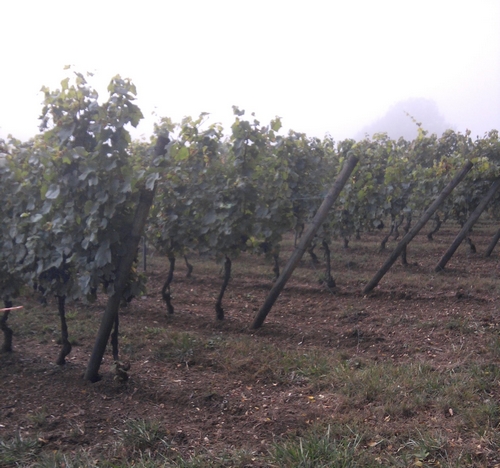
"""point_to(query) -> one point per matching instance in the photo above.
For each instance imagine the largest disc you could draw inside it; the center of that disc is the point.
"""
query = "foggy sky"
(324, 67)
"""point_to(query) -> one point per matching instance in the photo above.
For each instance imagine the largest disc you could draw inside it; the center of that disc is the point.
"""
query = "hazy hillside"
(402, 118)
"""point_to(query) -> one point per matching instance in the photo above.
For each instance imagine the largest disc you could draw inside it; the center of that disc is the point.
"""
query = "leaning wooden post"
(122, 275)
(305, 240)
(468, 225)
(108, 319)
(144, 253)
(414, 231)
(7, 332)
(493, 243)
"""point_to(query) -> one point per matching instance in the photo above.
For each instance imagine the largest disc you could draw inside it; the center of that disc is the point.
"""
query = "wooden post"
(144, 253)
(305, 240)
(126, 262)
(468, 225)
(7, 332)
(415, 230)
(122, 274)
(492, 244)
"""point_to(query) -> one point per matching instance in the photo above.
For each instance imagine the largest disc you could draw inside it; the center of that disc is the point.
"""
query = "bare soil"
(414, 315)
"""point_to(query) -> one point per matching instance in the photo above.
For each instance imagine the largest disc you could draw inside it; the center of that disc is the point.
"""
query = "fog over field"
(344, 68)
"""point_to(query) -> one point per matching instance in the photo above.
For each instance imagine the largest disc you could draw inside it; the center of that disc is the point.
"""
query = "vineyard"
(380, 346)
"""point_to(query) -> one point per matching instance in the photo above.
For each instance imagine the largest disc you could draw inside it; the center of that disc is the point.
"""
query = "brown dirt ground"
(204, 407)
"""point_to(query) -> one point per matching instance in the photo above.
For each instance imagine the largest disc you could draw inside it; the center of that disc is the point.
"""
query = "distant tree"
(404, 118)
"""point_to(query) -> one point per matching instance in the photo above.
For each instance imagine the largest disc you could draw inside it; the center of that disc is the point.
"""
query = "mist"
(404, 118)
(323, 67)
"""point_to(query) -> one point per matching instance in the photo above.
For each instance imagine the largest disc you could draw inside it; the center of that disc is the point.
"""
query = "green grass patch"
(320, 448)
(141, 435)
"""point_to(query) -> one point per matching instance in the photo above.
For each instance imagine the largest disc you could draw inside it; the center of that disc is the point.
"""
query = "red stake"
(11, 308)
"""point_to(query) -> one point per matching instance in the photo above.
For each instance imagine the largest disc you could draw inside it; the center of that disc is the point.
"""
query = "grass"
(141, 435)
(321, 449)
(78, 459)
(403, 390)
(38, 417)
(18, 451)
(398, 391)
(178, 347)
(424, 449)
(43, 322)
(387, 391)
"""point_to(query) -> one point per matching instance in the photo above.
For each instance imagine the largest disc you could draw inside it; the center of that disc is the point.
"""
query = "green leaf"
(151, 179)
(261, 212)
(52, 192)
(66, 132)
(103, 254)
(209, 218)
(237, 111)
(276, 124)
(182, 154)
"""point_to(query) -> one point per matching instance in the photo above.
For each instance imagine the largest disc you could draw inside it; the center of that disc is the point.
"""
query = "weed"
(401, 389)
(267, 362)
(58, 459)
(481, 416)
(140, 435)
(214, 343)
(131, 345)
(74, 341)
(207, 459)
(17, 450)
(48, 329)
(429, 325)
(311, 366)
(459, 324)
(39, 417)
(179, 347)
(320, 449)
(425, 449)
(155, 331)
(494, 346)
(71, 314)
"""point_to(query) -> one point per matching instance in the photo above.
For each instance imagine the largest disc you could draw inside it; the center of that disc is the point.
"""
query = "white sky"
(322, 65)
